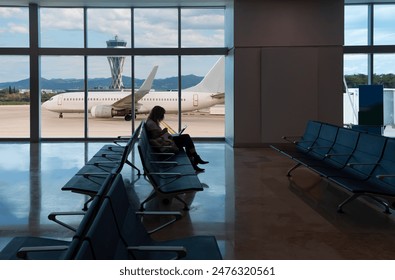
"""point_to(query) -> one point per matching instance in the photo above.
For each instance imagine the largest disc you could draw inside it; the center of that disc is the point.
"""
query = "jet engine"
(104, 111)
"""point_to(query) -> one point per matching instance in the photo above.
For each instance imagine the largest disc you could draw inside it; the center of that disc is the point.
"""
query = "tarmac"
(14, 123)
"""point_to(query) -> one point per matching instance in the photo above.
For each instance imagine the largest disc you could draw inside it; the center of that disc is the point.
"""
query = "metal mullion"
(34, 64)
(85, 76)
(179, 71)
(370, 43)
(133, 112)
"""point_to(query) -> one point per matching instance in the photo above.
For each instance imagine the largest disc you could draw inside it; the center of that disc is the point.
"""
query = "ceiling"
(143, 3)
(116, 3)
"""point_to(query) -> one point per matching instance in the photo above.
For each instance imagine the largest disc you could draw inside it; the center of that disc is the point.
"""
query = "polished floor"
(252, 208)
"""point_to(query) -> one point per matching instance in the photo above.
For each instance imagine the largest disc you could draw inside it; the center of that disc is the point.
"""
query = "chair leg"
(186, 207)
(85, 208)
(351, 198)
(151, 196)
(386, 206)
(293, 168)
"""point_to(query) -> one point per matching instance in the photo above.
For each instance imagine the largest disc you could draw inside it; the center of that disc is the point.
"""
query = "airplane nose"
(45, 105)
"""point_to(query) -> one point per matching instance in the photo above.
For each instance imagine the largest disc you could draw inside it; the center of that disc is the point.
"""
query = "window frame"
(34, 51)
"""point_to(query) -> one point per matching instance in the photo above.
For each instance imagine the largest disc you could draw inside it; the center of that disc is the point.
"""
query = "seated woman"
(154, 130)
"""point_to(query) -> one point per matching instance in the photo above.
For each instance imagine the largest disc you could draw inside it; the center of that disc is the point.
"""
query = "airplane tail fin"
(214, 81)
(147, 85)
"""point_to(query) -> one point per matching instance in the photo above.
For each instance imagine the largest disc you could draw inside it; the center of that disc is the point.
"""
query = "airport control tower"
(116, 63)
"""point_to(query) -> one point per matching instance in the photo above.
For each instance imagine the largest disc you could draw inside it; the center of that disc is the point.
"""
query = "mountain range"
(104, 83)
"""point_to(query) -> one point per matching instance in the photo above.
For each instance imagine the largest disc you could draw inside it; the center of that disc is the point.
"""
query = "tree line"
(12, 96)
(387, 80)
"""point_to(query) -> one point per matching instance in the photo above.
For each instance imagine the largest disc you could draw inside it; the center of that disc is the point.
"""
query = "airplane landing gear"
(60, 115)
(128, 117)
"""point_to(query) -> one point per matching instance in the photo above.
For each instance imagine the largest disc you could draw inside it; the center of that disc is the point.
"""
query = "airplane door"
(60, 99)
(195, 100)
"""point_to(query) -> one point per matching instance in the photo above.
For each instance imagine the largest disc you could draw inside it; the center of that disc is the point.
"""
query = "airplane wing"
(145, 88)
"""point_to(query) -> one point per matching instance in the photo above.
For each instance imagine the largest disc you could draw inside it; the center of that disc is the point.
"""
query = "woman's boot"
(194, 164)
(198, 160)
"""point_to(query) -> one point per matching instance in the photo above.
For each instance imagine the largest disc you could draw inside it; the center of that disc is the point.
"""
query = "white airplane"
(115, 103)
(210, 91)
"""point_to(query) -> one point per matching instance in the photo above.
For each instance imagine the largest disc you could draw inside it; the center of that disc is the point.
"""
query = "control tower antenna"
(116, 63)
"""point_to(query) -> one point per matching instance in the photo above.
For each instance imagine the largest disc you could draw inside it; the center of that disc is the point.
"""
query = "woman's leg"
(185, 141)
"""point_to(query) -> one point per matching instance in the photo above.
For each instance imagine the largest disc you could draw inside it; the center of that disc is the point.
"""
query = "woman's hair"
(157, 114)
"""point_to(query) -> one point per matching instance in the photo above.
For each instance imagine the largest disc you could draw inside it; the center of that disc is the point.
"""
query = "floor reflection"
(253, 209)
(32, 176)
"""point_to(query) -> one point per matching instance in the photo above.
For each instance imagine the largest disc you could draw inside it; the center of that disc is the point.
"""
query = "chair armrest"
(335, 155)
(23, 251)
(318, 147)
(98, 174)
(303, 141)
(382, 176)
(361, 163)
(165, 173)
(53, 217)
(164, 162)
(97, 163)
(180, 250)
(165, 154)
(290, 138)
(177, 216)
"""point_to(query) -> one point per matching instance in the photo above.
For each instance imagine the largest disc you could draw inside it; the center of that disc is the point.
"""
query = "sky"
(356, 33)
(158, 28)
(153, 28)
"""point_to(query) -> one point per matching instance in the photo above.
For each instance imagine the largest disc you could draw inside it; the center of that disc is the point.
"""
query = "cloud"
(18, 28)
(156, 28)
(384, 13)
(202, 19)
(14, 13)
(66, 19)
(202, 39)
(110, 21)
(14, 21)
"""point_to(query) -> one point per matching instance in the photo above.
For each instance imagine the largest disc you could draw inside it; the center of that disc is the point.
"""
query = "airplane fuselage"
(73, 102)
(190, 101)
(210, 91)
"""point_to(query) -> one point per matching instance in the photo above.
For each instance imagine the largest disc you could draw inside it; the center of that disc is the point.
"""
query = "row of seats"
(360, 162)
(112, 227)
(111, 158)
(92, 180)
(170, 174)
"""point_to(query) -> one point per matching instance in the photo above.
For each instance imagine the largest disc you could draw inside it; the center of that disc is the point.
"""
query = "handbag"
(164, 145)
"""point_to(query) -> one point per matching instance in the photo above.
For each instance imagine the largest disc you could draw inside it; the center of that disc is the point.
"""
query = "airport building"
(284, 66)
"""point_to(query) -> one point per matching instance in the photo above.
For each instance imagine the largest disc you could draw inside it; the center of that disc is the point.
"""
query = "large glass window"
(164, 91)
(356, 69)
(384, 24)
(62, 27)
(156, 28)
(14, 96)
(105, 25)
(372, 64)
(204, 104)
(202, 28)
(62, 87)
(14, 27)
(109, 96)
(111, 48)
(356, 25)
(355, 74)
(384, 74)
